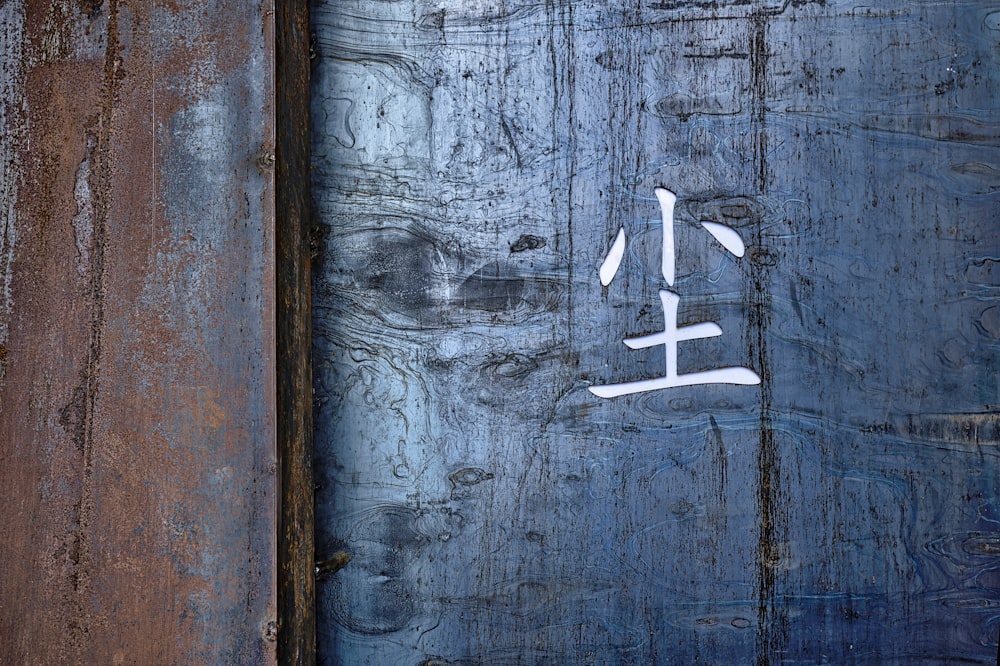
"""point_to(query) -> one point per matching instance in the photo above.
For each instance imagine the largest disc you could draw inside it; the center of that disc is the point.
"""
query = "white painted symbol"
(614, 259)
(672, 333)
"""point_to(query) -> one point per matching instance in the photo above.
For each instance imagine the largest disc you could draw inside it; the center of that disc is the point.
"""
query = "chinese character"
(672, 333)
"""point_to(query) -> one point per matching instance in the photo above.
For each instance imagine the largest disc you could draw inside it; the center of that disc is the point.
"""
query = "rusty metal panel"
(478, 503)
(137, 372)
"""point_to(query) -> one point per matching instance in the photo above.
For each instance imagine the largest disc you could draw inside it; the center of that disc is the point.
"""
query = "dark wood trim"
(296, 580)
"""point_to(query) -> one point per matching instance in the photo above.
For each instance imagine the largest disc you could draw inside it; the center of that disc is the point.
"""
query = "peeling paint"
(83, 221)
(11, 131)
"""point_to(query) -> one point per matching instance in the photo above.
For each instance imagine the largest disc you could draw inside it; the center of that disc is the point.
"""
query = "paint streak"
(11, 80)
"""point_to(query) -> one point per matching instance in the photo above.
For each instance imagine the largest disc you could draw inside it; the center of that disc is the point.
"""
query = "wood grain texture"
(137, 424)
(296, 577)
(474, 161)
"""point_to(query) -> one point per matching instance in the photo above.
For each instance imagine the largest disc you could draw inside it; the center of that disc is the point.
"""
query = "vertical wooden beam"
(296, 593)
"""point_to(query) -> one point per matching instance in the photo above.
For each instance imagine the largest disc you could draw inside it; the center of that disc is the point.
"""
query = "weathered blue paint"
(474, 163)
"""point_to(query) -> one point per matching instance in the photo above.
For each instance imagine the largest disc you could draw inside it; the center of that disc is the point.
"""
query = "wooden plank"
(137, 390)
(474, 163)
(296, 578)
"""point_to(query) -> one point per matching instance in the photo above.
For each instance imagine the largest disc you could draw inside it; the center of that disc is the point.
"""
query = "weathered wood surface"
(137, 370)
(296, 576)
(473, 162)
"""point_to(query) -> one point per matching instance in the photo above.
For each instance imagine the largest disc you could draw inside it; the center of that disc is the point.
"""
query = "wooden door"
(835, 174)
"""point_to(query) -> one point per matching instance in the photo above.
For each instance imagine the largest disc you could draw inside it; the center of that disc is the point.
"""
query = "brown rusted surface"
(137, 309)
(296, 587)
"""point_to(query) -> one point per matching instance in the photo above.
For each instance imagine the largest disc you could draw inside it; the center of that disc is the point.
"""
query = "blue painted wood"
(474, 162)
